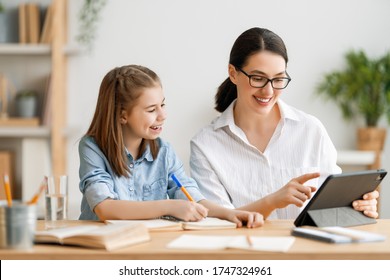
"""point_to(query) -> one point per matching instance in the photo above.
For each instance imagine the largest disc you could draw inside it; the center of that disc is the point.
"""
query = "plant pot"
(371, 138)
(26, 106)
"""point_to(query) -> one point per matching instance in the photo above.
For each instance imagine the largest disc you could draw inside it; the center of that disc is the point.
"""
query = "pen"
(183, 189)
(42, 187)
(7, 190)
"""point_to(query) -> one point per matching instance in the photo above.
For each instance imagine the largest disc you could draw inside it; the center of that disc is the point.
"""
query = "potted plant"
(26, 103)
(362, 89)
(89, 16)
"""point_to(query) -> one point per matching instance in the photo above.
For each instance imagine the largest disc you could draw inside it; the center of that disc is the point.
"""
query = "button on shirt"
(233, 173)
(149, 179)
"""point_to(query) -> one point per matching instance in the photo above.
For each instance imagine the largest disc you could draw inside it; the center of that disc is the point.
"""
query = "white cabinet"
(353, 159)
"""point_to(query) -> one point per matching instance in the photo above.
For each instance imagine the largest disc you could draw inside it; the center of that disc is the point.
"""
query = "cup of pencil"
(17, 225)
(17, 220)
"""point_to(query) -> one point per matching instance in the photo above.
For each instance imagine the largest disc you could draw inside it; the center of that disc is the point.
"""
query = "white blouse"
(233, 173)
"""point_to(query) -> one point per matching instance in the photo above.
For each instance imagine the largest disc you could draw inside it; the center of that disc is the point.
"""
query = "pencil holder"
(17, 225)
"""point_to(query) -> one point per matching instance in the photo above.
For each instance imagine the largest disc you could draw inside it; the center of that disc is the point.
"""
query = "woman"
(261, 154)
(126, 168)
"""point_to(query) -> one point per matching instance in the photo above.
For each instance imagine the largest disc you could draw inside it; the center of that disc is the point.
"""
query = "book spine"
(22, 24)
(33, 20)
(46, 35)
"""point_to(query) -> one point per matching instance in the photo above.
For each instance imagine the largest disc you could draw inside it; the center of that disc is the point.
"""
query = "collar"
(227, 116)
(287, 112)
(147, 155)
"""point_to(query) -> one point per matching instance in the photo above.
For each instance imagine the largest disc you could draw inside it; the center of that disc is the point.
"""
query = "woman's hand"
(368, 205)
(241, 217)
(187, 211)
(294, 192)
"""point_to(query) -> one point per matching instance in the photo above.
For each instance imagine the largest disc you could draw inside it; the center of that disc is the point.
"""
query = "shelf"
(26, 49)
(33, 49)
(25, 131)
(17, 122)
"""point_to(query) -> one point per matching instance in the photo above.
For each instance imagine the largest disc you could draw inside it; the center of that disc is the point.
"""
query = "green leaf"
(362, 88)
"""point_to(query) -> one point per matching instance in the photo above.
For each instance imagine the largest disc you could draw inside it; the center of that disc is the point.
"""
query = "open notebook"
(172, 225)
(218, 242)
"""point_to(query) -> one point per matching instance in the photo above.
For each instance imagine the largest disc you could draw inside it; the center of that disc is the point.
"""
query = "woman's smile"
(263, 100)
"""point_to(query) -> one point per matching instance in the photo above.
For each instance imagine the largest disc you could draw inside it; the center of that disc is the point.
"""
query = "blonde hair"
(120, 88)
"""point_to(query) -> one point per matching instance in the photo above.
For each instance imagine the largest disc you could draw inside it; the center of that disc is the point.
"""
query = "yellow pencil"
(7, 190)
(183, 189)
(42, 187)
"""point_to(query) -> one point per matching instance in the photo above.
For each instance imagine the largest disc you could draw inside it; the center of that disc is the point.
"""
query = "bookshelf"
(39, 150)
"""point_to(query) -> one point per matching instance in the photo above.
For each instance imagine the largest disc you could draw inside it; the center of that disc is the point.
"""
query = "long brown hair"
(120, 88)
(248, 43)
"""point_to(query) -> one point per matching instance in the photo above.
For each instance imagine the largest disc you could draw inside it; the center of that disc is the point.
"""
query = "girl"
(125, 168)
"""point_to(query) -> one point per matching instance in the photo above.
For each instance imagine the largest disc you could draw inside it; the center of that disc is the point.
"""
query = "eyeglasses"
(257, 81)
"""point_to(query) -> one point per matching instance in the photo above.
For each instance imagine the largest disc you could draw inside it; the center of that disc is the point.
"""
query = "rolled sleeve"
(96, 183)
(96, 193)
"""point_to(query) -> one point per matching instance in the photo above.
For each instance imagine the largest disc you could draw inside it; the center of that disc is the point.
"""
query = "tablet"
(331, 205)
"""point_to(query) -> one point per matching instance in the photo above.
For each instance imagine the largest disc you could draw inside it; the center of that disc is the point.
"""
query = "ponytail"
(226, 94)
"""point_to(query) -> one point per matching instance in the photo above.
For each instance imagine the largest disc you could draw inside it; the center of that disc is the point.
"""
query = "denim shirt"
(150, 179)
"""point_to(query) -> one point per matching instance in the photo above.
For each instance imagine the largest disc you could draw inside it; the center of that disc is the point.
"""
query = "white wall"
(188, 43)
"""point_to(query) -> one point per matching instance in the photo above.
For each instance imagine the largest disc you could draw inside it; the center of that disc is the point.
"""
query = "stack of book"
(108, 237)
(30, 31)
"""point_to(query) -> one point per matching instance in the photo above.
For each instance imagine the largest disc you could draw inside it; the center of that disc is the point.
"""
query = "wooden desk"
(302, 249)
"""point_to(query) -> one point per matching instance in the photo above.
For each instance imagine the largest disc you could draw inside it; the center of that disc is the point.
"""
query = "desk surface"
(302, 249)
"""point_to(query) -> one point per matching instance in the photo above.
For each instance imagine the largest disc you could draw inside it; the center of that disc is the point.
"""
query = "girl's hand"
(187, 211)
(240, 217)
(368, 205)
(294, 192)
